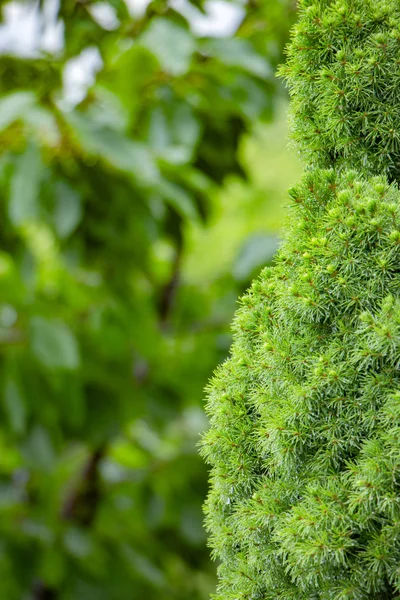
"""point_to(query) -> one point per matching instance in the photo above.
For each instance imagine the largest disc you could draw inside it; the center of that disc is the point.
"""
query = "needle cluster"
(304, 442)
(343, 71)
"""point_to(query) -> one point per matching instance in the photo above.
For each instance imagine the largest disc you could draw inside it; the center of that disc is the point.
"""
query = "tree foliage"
(104, 346)
(305, 421)
(343, 73)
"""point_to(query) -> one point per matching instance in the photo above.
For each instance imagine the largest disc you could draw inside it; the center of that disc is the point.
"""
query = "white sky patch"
(20, 31)
(52, 34)
(79, 74)
(105, 15)
(24, 33)
(222, 18)
(137, 8)
(27, 32)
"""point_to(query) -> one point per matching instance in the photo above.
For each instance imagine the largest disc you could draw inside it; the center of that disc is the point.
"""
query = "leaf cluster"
(105, 339)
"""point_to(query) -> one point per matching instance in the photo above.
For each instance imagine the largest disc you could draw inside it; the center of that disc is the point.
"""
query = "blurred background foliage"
(141, 191)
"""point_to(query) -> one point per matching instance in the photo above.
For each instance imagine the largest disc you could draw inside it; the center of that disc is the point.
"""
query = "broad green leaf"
(14, 106)
(23, 203)
(175, 156)
(53, 344)
(129, 455)
(121, 7)
(15, 406)
(67, 210)
(234, 52)
(249, 98)
(173, 132)
(125, 60)
(34, 529)
(134, 158)
(109, 110)
(159, 132)
(10, 457)
(8, 315)
(24, 107)
(185, 126)
(192, 525)
(38, 449)
(53, 566)
(78, 543)
(179, 199)
(144, 566)
(6, 265)
(171, 44)
(43, 124)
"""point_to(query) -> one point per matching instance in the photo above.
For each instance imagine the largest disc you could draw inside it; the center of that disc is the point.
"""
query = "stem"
(81, 505)
(42, 592)
(169, 291)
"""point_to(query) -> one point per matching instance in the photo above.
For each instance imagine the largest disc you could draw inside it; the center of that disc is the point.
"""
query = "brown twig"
(169, 291)
(82, 503)
(42, 592)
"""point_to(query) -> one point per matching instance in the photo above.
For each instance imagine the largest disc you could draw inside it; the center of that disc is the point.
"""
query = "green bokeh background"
(131, 221)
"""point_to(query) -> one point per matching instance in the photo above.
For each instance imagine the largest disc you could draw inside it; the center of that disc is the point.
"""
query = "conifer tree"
(304, 441)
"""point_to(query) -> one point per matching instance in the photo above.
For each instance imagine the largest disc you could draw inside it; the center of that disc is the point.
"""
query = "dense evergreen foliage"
(343, 69)
(106, 338)
(305, 415)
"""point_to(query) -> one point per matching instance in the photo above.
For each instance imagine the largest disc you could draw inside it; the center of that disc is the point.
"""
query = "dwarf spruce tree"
(304, 441)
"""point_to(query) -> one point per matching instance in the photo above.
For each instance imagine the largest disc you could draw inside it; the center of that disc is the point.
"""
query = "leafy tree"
(305, 436)
(104, 345)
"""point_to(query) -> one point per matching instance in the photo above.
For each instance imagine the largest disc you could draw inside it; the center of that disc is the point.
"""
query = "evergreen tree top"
(343, 72)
